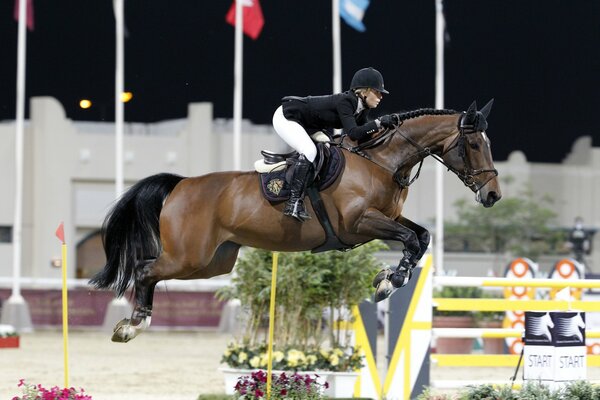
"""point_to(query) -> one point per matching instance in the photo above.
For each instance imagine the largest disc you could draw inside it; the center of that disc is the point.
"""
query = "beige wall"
(69, 175)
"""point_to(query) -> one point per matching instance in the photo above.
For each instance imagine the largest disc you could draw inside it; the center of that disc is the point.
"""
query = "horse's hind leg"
(149, 273)
(129, 328)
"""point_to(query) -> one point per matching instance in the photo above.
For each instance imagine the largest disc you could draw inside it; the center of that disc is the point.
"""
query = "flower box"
(9, 342)
(341, 384)
(232, 375)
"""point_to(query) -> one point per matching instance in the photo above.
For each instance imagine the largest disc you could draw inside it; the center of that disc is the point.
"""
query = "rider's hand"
(389, 121)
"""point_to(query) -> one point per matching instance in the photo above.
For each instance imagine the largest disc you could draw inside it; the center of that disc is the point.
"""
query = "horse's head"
(469, 155)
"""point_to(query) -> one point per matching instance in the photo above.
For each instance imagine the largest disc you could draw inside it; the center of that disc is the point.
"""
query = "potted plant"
(315, 295)
(283, 387)
(455, 319)
(8, 337)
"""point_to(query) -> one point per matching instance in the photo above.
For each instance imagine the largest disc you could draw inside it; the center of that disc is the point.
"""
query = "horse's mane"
(423, 111)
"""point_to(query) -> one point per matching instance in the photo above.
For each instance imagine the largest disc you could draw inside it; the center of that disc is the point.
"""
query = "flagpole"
(237, 86)
(15, 311)
(439, 104)
(337, 46)
(119, 89)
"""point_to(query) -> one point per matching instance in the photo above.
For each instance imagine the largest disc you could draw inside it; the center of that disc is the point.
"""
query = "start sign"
(555, 351)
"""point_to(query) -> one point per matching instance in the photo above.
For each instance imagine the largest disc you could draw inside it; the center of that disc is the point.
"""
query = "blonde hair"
(361, 91)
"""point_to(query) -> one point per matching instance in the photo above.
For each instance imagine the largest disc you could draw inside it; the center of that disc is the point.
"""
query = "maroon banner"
(88, 307)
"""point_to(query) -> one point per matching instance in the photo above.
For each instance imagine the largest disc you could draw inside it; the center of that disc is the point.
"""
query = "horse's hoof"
(384, 290)
(400, 279)
(123, 332)
(381, 275)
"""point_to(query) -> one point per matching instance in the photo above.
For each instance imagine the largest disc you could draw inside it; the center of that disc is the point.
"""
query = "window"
(5, 234)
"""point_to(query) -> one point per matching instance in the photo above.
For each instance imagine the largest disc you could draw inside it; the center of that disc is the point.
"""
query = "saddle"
(276, 188)
(275, 171)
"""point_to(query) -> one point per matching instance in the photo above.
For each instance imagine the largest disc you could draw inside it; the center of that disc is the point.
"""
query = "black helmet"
(368, 78)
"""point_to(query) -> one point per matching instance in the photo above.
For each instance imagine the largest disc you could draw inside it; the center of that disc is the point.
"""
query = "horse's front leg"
(422, 234)
(377, 225)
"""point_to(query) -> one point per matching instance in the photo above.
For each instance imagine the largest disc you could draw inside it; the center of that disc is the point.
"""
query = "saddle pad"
(275, 188)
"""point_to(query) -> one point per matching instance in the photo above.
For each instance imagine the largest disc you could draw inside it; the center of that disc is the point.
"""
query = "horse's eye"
(474, 145)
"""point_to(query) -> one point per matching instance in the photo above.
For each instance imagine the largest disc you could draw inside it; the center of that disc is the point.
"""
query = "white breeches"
(294, 135)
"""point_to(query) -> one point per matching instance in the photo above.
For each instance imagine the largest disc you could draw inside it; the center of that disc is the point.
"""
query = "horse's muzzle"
(491, 199)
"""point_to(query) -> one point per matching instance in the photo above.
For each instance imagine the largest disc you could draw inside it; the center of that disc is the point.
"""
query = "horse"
(171, 227)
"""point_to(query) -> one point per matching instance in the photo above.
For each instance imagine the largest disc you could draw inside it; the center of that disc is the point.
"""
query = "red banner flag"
(30, 23)
(253, 17)
(60, 232)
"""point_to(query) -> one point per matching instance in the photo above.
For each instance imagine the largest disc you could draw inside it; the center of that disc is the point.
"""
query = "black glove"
(389, 121)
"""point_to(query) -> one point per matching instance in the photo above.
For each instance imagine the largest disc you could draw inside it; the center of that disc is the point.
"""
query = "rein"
(466, 176)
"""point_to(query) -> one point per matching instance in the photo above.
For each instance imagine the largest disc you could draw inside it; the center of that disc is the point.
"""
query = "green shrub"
(579, 390)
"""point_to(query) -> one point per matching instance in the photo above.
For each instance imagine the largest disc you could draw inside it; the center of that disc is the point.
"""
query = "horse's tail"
(130, 232)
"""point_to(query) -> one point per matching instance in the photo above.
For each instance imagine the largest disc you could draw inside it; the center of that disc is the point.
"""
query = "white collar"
(360, 106)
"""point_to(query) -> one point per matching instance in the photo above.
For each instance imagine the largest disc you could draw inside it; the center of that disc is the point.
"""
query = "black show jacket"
(331, 111)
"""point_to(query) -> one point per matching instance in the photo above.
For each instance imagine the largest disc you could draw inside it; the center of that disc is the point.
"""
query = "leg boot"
(300, 179)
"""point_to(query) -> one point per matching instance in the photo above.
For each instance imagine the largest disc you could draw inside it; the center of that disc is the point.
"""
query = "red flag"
(30, 24)
(253, 17)
(60, 232)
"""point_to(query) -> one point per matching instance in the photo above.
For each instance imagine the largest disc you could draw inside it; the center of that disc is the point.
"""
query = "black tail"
(130, 232)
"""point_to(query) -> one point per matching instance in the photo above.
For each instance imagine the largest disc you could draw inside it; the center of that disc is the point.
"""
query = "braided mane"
(424, 111)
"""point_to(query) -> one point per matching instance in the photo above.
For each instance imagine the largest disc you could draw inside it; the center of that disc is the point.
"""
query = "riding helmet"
(368, 78)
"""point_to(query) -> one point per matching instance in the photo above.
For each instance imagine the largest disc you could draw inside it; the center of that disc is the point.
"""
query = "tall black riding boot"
(301, 175)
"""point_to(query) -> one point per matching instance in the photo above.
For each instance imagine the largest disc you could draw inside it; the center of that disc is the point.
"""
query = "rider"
(299, 117)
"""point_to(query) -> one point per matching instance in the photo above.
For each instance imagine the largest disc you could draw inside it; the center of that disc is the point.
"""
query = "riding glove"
(389, 121)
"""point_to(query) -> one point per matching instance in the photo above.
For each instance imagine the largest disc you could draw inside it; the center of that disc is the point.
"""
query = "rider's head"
(367, 83)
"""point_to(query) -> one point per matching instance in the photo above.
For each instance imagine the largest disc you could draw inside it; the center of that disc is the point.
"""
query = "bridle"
(467, 175)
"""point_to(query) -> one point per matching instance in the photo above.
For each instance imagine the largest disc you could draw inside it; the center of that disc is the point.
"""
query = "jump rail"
(501, 360)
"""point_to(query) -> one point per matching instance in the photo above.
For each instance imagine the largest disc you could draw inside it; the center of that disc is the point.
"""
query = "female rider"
(299, 117)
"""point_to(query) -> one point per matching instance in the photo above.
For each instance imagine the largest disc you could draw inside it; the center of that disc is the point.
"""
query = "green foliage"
(579, 390)
(520, 226)
(216, 397)
(429, 395)
(307, 284)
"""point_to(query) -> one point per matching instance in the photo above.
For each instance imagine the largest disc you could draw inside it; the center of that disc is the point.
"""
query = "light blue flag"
(353, 11)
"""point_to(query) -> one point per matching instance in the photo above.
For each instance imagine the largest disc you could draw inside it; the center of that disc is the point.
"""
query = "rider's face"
(373, 97)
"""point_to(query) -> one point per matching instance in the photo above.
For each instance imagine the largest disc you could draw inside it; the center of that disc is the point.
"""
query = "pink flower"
(21, 382)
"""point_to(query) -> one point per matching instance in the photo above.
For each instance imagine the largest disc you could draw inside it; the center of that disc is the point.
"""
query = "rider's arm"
(345, 109)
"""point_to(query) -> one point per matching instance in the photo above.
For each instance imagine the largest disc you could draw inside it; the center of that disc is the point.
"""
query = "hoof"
(124, 332)
(381, 275)
(399, 280)
(384, 290)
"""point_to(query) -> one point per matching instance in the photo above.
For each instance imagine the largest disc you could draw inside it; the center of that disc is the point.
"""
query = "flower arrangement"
(283, 386)
(38, 392)
(340, 359)
(8, 337)
(7, 331)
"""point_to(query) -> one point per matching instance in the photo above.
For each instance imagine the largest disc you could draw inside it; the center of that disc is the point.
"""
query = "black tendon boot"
(301, 175)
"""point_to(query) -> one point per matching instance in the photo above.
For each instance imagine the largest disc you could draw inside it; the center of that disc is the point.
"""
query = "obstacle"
(410, 330)
(517, 301)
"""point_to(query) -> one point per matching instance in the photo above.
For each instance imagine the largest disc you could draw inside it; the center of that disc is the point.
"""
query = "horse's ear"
(487, 108)
(472, 108)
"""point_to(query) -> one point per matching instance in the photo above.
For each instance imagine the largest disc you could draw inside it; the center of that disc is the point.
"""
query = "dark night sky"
(539, 59)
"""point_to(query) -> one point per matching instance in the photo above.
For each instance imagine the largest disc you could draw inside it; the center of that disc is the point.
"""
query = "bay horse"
(171, 227)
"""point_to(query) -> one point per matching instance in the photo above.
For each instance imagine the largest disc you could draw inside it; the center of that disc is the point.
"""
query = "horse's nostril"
(493, 197)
